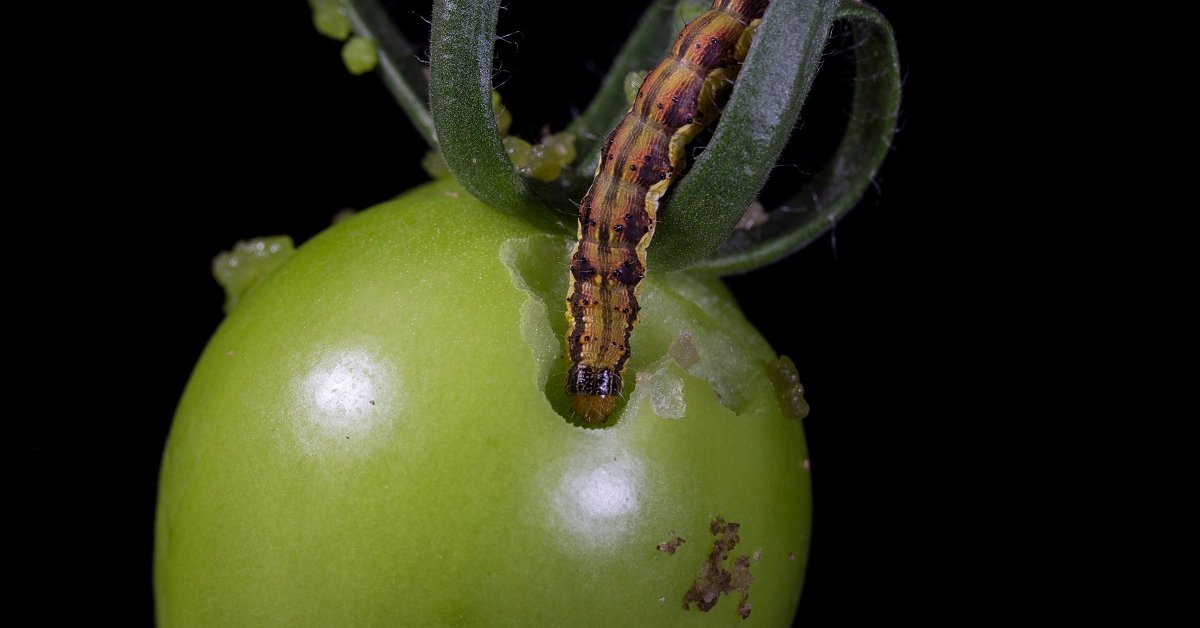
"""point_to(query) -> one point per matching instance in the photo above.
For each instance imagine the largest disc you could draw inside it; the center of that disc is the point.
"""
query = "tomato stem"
(755, 125)
(699, 218)
(834, 190)
(460, 97)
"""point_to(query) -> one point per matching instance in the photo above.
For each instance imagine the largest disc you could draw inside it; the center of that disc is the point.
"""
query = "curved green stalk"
(460, 95)
(755, 125)
(402, 73)
(642, 51)
(839, 185)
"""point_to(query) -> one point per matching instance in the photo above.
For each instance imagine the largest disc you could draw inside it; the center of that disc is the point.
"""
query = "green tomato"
(376, 436)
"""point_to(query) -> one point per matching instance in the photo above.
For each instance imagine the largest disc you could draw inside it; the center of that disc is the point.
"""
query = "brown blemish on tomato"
(740, 582)
(669, 546)
(713, 580)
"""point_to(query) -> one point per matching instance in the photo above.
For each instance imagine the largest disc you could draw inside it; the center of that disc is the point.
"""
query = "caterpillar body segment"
(639, 161)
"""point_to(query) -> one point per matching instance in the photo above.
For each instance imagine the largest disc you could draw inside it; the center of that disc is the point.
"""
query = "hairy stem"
(838, 186)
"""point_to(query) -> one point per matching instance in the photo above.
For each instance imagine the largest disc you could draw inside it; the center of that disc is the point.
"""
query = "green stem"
(839, 185)
(402, 73)
(642, 51)
(755, 125)
(460, 94)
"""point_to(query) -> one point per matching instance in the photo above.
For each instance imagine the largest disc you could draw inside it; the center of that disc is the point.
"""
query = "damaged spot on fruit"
(726, 362)
(525, 259)
(714, 580)
(683, 351)
(243, 267)
(348, 393)
(596, 496)
(669, 546)
(666, 395)
(740, 582)
(542, 325)
(788, 389)
(661, 386)
(659, 372)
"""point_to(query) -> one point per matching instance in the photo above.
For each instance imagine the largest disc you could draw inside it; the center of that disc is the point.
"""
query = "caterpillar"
(638, 162)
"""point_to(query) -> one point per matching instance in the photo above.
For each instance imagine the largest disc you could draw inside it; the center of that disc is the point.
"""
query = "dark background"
(249, 125)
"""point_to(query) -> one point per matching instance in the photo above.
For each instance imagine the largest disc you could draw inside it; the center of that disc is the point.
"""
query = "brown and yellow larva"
(638, 162)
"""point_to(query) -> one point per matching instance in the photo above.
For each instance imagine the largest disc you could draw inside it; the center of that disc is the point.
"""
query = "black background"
(248, 124)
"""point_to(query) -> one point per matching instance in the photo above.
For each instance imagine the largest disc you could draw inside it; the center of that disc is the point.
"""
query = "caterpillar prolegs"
(638, 162)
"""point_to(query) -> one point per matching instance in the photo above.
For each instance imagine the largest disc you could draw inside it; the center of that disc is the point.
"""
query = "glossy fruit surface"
(376, 436)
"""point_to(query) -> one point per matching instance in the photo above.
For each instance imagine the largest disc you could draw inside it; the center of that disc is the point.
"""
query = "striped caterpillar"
(638, 162)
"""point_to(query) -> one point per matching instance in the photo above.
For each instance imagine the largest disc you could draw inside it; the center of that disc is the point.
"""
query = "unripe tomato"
(377, 436)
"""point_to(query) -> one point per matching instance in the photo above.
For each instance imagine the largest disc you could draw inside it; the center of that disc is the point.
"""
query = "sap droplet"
(243, 267)
(329, 19)
(788, 389)
(359, 55)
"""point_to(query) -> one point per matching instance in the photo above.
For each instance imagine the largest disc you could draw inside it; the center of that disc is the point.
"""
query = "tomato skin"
(374, 437)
